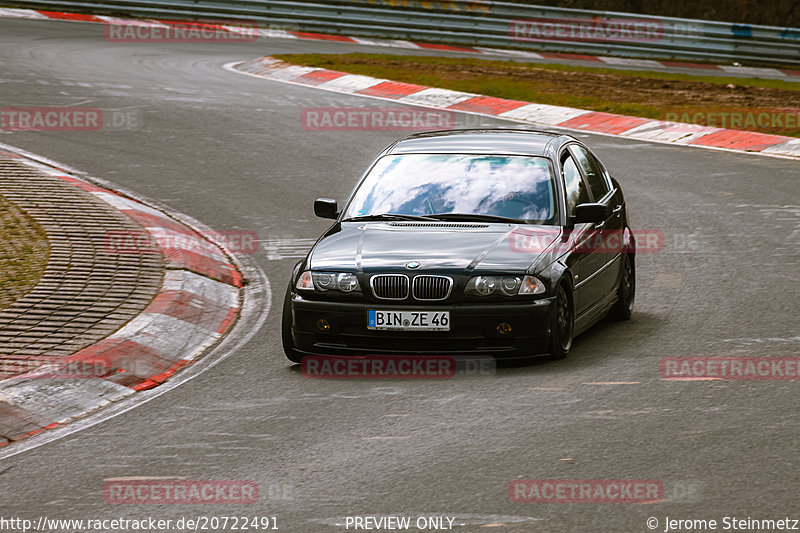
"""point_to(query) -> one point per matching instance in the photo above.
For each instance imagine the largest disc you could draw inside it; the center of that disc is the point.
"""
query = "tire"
(563, 325)
(286, 329)
(626, 290)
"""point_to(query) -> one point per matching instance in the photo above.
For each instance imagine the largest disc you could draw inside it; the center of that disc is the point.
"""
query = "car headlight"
(346, 282)
(485, 285)
(507, 285)
(326, 281)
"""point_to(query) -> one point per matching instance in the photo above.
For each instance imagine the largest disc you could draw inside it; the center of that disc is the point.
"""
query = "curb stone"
(197, 303)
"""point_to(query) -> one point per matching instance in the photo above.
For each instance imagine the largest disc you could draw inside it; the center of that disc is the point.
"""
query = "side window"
(592, 170)
(575, 186)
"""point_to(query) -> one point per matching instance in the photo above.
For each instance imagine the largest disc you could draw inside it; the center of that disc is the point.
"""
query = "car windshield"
(517, 188)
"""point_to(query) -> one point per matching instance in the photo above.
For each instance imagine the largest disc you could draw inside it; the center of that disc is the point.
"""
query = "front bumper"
(473, 329)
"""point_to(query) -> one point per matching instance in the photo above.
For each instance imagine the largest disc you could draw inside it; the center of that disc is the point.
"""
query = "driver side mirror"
(590, 213)
(326, 208)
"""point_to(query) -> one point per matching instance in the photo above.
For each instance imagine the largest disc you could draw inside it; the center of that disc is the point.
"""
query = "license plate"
(409, 320)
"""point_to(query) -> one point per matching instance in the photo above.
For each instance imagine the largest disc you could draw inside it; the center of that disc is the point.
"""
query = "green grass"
(341, 61)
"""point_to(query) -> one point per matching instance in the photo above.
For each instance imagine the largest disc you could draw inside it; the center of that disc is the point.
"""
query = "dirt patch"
(658, 93)
(23, 252)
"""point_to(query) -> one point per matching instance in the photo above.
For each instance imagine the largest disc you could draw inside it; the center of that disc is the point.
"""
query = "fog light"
(322, 325)
(504, 328)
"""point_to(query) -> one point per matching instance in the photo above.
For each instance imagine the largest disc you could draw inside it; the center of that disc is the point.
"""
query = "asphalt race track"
(230, 151)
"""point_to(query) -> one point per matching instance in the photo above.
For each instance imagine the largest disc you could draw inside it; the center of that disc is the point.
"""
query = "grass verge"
(654, 95)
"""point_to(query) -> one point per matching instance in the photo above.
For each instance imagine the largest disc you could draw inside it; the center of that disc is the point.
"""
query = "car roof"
(481, 141)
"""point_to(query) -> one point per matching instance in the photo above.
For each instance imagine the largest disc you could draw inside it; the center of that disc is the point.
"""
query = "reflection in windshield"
(517, 187)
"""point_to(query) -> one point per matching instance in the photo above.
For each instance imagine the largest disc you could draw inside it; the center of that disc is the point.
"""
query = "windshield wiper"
(387, 216)
(472, 216)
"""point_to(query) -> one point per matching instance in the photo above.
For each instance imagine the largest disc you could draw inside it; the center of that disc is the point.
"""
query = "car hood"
(445, 246)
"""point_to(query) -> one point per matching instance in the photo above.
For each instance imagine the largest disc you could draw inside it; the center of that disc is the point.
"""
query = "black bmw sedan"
(502, 243)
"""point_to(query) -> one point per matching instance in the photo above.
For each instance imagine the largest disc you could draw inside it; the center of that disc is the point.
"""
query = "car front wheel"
(563, 326)
(626, 291)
